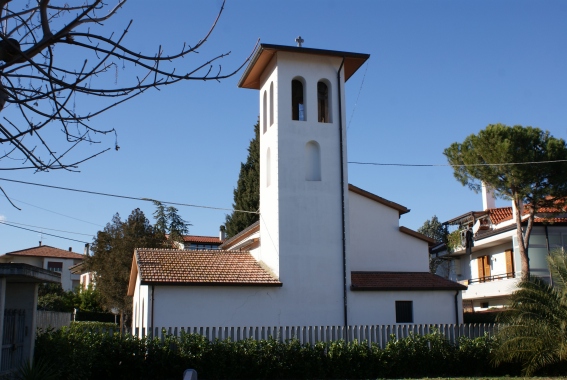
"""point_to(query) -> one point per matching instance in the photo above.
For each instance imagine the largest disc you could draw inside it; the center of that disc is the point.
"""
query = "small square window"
(54, 266)
(484, 305)
(404, 311)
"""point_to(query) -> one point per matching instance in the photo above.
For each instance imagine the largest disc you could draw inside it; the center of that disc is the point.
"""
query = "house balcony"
(490, 286)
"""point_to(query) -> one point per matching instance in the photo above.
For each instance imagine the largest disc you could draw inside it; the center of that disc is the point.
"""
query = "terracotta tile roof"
(401, 281)
(47, 251)
(546, 214)
(499, 215)
(202, 239)
(550, 220)
(204, 267)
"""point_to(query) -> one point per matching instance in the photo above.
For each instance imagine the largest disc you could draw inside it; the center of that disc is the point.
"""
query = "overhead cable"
(44, 233)
(125, 196)
(440, 165)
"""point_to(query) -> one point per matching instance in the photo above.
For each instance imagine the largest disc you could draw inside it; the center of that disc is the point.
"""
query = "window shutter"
(486, 266)
(480, 268)
(510, 264)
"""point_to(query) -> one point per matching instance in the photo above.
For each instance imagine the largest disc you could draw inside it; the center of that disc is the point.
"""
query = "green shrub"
(83, 352)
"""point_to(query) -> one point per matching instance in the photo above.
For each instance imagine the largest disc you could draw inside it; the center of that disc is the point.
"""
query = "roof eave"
(264, 53)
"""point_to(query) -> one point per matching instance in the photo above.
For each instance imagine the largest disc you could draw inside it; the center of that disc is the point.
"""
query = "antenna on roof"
(41, 238)
(299, 41)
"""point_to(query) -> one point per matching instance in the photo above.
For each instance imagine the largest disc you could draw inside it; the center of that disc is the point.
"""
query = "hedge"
(80, 353)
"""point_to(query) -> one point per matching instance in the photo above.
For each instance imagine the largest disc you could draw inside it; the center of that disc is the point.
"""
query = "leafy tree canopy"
(524, 164)
(247, 192)
(113, 248)
(434, 229)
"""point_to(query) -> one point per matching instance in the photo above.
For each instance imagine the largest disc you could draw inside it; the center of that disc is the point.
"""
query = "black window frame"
(404, 311)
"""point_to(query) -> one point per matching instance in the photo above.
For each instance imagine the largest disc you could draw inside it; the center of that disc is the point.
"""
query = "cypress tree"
(247, 192)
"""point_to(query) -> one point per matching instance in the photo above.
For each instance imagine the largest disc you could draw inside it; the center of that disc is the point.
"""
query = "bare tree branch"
(43, 86)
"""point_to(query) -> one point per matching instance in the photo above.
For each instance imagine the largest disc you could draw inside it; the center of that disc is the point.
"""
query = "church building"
(324, 252)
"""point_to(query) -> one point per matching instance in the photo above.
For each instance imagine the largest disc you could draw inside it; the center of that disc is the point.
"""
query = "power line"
(359, 91)
(49, 229)
(124, 196)
(44, 233)
(445, 165)
(55, 212)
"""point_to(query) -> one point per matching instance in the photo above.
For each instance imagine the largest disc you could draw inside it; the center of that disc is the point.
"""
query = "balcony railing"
(492, 278)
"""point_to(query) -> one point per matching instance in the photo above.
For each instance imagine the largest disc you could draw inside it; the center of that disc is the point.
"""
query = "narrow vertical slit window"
(271, 104)
(268, 168)
(297, 104)
(264, 111)
(312, 161)
(323, 102)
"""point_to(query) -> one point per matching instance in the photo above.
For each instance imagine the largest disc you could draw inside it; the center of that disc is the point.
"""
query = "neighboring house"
(323, 252)
(491, 268)
(18, 306)
(202, 242)
(86, 278)
(50, 258)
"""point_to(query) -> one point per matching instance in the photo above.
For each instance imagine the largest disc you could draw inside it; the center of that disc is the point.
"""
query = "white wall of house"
(376, 241)
(68, 281)
(379, 307)
(225, 306)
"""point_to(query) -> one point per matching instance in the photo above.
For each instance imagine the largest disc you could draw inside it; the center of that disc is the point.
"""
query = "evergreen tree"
(434, 229)
(112, 251)
(247, 192)
(170, 224)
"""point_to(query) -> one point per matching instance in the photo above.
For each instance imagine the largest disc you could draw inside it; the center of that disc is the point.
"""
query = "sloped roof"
(202, 239)
(499, 215)
(401, 281)
(203, 267)
(417, 235)
(396, 206)
(264, 53)
(242, 235)
(47, 251)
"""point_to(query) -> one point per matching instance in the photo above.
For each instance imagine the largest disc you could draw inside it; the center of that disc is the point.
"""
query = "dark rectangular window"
(404, 311)
(54, 266)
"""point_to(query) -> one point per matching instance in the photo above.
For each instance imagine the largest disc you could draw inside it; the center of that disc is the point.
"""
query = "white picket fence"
(52, 319)
(379, 334)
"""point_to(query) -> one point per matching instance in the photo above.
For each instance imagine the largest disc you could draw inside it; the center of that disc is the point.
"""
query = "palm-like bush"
(535, 331)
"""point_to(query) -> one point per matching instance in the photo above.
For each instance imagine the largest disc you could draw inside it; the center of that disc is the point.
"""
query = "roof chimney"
(222, 233)
(70, 249)
(488, 199)
(87, 246)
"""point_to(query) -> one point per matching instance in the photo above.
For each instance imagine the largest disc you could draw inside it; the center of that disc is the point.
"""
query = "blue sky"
(438, 71)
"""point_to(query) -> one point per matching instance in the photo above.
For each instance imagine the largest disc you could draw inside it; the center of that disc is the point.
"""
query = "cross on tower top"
(299, 41)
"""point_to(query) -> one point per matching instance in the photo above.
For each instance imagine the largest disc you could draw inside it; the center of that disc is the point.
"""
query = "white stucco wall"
(68, 280)
(377, 243)
(379, 307)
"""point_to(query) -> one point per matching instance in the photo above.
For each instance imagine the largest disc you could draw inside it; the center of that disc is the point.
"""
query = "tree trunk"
(524, 258)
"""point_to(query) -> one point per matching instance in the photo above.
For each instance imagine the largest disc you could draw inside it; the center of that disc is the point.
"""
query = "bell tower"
(303, 162)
